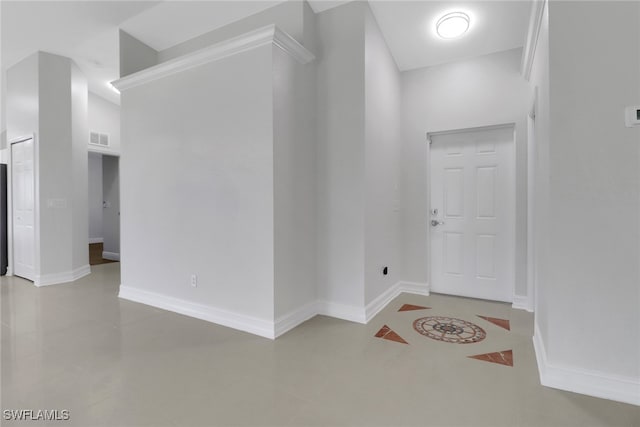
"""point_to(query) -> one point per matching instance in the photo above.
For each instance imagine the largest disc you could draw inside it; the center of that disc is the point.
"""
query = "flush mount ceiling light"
(452, 25)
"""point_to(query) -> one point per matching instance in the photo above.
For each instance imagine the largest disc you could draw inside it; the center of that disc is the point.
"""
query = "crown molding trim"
(535, 23)
(251, 40)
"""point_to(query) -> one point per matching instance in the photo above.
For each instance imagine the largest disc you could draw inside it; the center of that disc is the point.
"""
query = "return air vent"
(101, 139)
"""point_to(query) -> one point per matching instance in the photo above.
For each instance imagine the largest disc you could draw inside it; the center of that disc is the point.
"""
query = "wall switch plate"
(194, 280)
(632, 116)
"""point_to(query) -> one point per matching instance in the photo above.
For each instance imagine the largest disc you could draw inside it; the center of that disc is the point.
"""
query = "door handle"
(435, 222)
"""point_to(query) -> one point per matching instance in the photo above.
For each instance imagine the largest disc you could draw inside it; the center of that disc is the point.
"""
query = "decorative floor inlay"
(503, 323)
(449, 329)
(501, 357)
(411, 307)
(387, 333)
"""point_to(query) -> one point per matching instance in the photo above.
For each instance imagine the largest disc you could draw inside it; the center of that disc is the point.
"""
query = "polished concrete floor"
(111, 362)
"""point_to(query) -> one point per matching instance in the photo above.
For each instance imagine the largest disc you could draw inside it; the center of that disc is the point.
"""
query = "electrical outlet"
(194, 280)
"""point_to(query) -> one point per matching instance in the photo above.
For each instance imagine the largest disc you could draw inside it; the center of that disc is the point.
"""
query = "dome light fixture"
(452, 25)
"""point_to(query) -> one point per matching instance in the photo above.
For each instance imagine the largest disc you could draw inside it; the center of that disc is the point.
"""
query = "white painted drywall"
(111, 211)
(383, 146)
(22, 120)
(341, 155)
(134, 54)
(591, 274)
(487, 90)
(47, 94)
(288, 16)
(104, 117)
(197, 185)
(95, 196)
(539, 82)
(64, 227)
(22, 98)
(79, 91)
(294, 165)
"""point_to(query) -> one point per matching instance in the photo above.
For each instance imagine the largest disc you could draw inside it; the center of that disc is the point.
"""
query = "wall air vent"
(101, 139)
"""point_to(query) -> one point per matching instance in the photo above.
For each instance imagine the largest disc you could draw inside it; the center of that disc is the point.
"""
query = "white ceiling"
(87, 31)
(409, 29)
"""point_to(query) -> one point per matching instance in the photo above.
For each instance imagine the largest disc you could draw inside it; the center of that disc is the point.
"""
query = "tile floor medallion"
(503, 323)
(504, 357)
(411, 307)
(387, 334)
(449, 329)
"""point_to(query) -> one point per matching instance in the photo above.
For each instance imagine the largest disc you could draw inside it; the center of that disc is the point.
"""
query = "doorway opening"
(104, 208)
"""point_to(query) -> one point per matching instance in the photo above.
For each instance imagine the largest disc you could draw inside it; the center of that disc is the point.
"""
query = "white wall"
(62, 135)
(486, 90)
(294, 164)
(104, 117)
(95, 196)
(383, 145)
(111, 212)
(289, 16)
(47, 94)
(539, 83)
(341, 155)
(591, 271)
(22, 98)
(197, 185)
(134, 55)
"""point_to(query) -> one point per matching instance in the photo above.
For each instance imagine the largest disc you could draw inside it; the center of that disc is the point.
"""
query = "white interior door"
(23, 207)
(473, 213)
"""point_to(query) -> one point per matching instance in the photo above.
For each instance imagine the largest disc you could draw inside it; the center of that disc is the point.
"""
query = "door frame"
(36, 203)
(512, 189)
(532, 256)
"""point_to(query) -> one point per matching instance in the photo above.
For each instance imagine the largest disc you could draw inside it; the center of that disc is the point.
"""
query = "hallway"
(113, 362)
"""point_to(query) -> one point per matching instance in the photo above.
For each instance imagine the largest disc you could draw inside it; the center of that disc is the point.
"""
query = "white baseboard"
(351, 313)
(289, 321)
(241, 322)
(375, 306)
(284, 323)
(522, 303)
(113, 256)
(414, 288)
(96, 240)
(62, 277)
(591, 383)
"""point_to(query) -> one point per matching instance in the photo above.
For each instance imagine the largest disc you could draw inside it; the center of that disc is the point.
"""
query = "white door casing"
(23, 208)
(472, 243)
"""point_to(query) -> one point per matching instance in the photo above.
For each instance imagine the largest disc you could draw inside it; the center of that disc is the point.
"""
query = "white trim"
(93, 240)
(414, 288)
(522, 303)
(242, 322)
(472, 129)
(375, 306)
(253, 39)
(281, 325)
(591, 383)
(291, 47)
(529, 51)
(285, 323)
(378, 304)
(62, 277)
(113, 256)
(351, 313)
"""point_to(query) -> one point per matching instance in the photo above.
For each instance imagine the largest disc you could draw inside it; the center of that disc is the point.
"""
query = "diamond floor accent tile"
(411, 307)
(503, 323)
(501, 357)
(387, 333)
